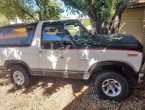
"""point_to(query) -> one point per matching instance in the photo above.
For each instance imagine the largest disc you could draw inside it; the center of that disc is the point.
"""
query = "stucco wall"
(132, 23)
(144, 29)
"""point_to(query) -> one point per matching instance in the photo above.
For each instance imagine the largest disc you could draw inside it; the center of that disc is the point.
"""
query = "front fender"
(106, 65)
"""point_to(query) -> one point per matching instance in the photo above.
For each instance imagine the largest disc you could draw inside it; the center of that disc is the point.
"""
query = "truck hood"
(115, 41)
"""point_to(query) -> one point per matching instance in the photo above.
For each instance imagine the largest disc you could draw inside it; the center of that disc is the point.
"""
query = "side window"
(16, 36)
(78, 33)
(73, 30)
(53, 37)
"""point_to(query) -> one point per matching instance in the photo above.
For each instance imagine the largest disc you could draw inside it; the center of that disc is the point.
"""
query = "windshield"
(78, 32)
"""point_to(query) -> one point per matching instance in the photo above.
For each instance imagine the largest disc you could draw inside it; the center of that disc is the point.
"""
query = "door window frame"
(82, 26)
(57, 25)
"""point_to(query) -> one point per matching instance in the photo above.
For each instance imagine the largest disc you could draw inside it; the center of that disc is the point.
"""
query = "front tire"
(19, 77)
(111, 86)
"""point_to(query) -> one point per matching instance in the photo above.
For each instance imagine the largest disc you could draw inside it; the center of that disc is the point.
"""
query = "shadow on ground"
(52, 85)
(5, 79)
(87, 99)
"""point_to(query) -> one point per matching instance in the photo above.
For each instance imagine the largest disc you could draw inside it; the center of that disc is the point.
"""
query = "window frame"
(49, 25)
(82, 26)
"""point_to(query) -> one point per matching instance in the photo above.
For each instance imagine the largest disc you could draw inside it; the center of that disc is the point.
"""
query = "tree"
(30, 9)
(3, 20)
(48, 9)
(104, 15)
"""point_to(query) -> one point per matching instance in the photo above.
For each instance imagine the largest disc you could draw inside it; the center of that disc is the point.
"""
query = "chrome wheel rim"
(18, 78)
(111, 87)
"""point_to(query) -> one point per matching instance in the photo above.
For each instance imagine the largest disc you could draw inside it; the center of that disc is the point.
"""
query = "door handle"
(41, 51)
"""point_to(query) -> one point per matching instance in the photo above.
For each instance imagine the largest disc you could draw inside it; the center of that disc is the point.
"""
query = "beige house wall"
(132, 23)
(144, 29)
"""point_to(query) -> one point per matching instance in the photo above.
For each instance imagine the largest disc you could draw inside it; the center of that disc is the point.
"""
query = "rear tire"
(19, 77)
(111, 86)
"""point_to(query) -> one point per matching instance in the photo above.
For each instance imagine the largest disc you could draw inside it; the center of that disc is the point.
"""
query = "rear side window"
(16, 36)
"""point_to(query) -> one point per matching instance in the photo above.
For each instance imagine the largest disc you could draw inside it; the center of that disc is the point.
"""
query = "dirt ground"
(61, 94)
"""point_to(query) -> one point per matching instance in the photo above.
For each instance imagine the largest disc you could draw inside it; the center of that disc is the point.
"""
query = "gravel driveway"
(61, 94)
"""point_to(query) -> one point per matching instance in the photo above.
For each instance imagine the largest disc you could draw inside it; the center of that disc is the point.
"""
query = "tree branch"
(39, 11)
(116, 19)
(26, 12)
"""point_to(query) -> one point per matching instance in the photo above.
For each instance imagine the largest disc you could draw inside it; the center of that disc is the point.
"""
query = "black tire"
(26, 82)
(105, 76)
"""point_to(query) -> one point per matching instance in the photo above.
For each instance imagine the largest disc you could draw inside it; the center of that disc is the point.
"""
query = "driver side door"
(57, 53)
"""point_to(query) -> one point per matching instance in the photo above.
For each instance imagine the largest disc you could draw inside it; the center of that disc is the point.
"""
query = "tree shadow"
(84, 99)
(43, 82)
(2, 75)
(57, 83)
(88, 100)
(12, 90)
(4, 79)
(49, 90)
(52, 85)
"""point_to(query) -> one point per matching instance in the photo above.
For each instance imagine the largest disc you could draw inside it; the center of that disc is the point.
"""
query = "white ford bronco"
(65, 48)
